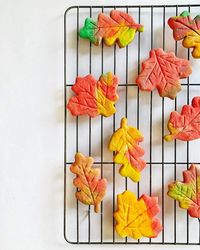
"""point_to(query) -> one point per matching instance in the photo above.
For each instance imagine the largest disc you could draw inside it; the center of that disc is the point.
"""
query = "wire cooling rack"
(147, 111)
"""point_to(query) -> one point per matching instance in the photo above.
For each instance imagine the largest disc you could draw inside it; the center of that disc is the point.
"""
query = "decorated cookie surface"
(125, 143)
(136, 218)
(94, 97)
(162, 71)
(119, 28)
(91, 189)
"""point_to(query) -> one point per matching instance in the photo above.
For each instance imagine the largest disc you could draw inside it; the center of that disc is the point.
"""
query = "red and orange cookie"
(187, 29)
(186, 125)
(91, 189)
(94, 97)
(162, 71)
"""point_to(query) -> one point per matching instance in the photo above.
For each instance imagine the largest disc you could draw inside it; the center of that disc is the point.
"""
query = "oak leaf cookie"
(188, 30)
(187, 193)
(119, 28)
(91, 189)
(186, 125)
(125, 143)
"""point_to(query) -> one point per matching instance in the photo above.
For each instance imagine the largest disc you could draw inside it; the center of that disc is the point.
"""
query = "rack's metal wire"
(102, 162)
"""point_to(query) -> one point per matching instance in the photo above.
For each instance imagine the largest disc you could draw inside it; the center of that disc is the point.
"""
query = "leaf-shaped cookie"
(187, 29)
(94, 97)
(119, 27)
(135, 218)
(163, 71)
(91, 190)
(125, 143)
(187, 193)
(186, 125)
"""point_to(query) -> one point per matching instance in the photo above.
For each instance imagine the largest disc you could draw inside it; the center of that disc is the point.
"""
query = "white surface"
(31, 108)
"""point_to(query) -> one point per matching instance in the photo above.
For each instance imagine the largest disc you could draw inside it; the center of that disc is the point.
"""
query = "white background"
(31, 125)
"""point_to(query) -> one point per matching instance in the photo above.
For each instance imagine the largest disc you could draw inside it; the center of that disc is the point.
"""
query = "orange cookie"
(91, 190)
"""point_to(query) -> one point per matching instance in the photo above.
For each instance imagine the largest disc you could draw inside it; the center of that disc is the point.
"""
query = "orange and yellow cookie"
(136, 217)
(125, 143)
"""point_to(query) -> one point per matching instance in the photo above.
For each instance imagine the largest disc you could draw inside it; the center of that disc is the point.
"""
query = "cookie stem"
(169, 137)
(96, 208)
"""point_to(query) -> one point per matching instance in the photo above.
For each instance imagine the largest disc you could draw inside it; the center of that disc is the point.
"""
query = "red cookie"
(186, 125)
(163, 71)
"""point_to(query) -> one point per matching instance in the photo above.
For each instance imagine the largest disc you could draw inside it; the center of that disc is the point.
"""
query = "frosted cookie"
(188, 30)
(94, 97)
(125, 143)
(119, 28)
(91, 189)
(135, 218)
(162, 71)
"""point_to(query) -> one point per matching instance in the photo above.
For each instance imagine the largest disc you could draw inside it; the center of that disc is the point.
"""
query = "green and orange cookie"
(119, 28)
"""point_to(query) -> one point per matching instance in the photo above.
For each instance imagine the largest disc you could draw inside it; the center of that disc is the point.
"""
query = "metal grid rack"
(102, 163)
